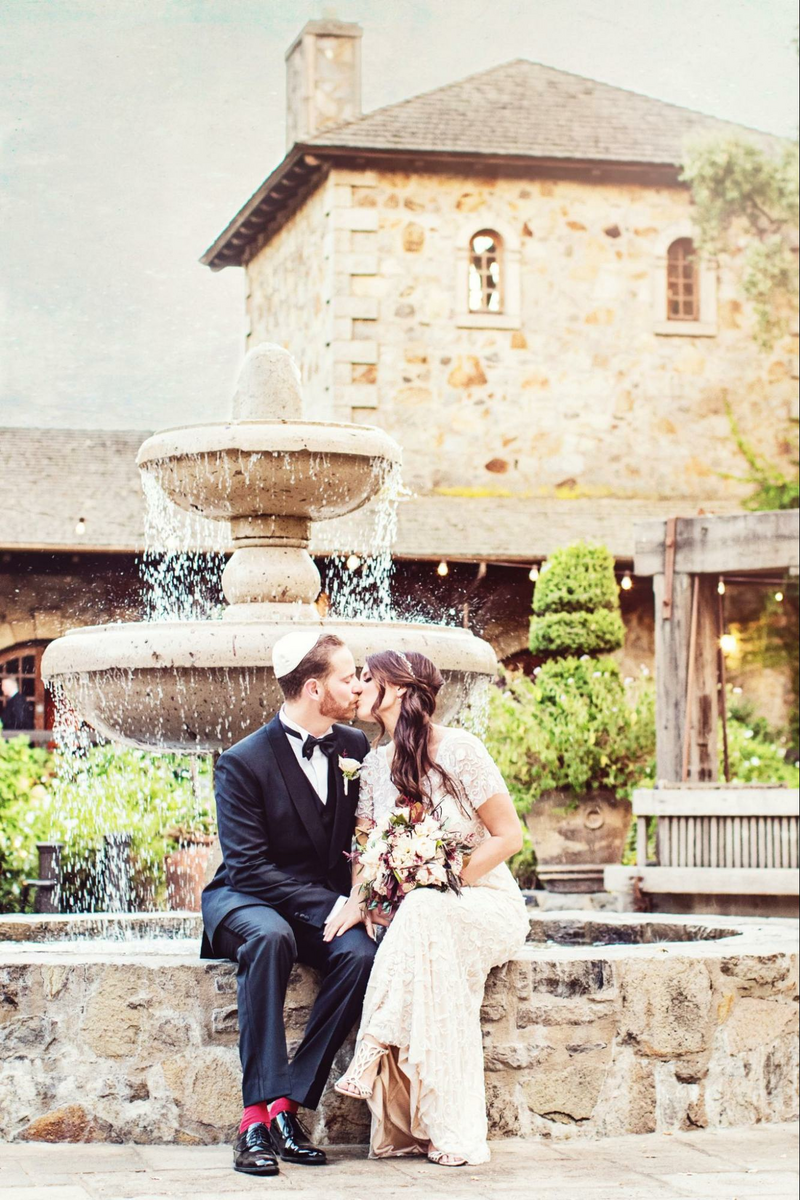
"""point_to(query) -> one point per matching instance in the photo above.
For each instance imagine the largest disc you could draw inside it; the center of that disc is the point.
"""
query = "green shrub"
(577, 578)
(25, 776)
(577, 726)
(76, 801)
(576, 632)
(756, 752)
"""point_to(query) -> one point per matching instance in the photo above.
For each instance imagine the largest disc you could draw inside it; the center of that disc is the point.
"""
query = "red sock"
(282, 1105)
(253, 1114)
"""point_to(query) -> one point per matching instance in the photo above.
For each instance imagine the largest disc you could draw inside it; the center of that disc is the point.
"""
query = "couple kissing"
(403, 932)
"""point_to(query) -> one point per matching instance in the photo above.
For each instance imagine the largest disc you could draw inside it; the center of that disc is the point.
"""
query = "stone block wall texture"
(583, 397)
(290, 302)
(103, 1041)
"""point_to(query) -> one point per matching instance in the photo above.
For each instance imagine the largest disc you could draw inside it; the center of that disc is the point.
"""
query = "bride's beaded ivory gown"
(426, 988)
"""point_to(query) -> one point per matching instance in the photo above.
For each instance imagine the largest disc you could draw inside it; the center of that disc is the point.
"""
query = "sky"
(131, 131)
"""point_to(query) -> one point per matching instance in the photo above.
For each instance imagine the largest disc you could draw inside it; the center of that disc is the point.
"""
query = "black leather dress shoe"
(253, 1153)
(291, 1141)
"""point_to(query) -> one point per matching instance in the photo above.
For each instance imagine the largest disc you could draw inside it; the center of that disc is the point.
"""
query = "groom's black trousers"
(266, 946)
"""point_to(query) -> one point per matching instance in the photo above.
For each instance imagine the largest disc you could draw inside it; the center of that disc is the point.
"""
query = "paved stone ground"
(732, 1164)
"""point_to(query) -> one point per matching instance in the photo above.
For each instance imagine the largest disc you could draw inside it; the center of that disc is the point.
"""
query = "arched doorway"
(24, 663)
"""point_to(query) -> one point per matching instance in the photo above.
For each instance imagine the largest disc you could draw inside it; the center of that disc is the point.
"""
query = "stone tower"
(323, 78)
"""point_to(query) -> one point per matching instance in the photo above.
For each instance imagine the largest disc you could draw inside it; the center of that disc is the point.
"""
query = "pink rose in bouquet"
(412, 849)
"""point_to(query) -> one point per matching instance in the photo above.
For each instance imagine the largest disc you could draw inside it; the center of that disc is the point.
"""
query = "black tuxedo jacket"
(276, 849)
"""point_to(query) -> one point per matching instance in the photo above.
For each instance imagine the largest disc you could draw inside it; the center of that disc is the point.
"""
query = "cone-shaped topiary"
(576, 604)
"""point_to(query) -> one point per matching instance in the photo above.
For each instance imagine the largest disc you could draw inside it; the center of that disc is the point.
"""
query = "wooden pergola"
(714, 837)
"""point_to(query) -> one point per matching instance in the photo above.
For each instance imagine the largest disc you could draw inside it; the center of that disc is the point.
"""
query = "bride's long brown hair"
(412, 764)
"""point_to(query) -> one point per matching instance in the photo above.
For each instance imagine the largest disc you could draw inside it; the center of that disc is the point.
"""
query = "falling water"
(183, 559)
(358, 578)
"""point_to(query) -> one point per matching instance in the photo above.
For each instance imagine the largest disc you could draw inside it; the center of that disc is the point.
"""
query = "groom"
(286, 817)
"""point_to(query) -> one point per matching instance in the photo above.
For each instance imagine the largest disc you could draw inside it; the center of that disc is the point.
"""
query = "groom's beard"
(333, 709)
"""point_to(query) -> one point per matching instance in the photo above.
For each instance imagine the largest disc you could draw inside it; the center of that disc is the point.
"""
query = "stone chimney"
(323, 78)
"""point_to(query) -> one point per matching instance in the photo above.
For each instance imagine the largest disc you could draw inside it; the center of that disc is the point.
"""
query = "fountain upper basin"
(236, 469)
(200, 686)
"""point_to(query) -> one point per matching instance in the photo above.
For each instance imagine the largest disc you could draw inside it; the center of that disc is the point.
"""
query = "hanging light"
(779, 597)
(353, 562)
(80, 528)
(721, 586)
(728, 643)
(626, 583)
(442, 568)
(533, 574)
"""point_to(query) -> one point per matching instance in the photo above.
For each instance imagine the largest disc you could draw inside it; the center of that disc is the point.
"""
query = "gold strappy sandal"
(442, 1159)
(358, 1080)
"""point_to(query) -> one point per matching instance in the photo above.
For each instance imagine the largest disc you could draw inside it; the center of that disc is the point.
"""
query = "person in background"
(17, 712)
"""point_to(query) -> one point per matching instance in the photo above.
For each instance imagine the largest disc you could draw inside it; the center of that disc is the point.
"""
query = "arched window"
(23, 664)
(485, 278)
(683, 287)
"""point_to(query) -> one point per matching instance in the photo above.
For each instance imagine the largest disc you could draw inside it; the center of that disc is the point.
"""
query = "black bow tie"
(326, 743)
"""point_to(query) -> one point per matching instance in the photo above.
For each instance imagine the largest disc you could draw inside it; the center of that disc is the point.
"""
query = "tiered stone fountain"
(199, 686)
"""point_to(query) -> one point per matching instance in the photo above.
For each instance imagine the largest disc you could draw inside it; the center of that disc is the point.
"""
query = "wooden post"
(672, 641)
(704, 710)
(672, 657)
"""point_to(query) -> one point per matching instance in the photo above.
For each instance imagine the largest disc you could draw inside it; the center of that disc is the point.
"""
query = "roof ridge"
(529, 62)
(617, 87)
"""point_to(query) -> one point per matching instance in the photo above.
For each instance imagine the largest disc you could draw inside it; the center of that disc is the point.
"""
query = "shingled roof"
(526, 109)
(71, 474)
(52, 479)
(520, 112)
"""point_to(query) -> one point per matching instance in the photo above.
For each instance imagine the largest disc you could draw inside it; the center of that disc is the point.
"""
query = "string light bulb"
(353, 562)
(80, 528)
(626, 583)
(728, 643)
(721, 586)
(779, 597)
(533, 574)
(442, 569)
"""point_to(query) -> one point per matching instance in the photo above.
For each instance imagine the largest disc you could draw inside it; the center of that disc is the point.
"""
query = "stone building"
(501, 274)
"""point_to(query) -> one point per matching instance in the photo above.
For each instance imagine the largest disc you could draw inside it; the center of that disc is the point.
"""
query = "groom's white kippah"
(290, 650)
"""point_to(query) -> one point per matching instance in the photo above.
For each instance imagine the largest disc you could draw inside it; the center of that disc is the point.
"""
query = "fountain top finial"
(268, 388)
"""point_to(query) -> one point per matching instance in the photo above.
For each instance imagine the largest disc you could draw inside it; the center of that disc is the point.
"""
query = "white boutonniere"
(350, 768)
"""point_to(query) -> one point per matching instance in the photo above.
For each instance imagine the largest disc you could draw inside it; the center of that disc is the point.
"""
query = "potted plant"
(189, 847)
(572, 742)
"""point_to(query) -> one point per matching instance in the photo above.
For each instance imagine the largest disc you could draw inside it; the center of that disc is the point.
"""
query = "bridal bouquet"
(412, 849)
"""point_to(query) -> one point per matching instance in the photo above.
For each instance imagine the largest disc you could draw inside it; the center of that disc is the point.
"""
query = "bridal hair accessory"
(290, 650)
(400, 654)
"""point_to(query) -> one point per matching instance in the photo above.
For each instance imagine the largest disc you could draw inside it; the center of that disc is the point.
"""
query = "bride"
(419, 1056)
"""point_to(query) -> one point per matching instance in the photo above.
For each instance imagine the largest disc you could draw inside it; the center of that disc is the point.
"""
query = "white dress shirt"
(315, 769)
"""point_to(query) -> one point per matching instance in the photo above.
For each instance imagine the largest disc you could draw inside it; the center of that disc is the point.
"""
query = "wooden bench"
(715, 839)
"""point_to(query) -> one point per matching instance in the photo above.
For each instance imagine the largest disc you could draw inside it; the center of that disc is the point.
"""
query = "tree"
(746, 201)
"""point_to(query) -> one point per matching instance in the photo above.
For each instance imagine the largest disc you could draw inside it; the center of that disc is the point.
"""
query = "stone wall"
(578, 395)
(106, 1040)
(289, 301)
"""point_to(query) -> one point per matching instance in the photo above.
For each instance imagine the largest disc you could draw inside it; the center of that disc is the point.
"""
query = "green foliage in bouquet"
(576, 727)
(576, 604)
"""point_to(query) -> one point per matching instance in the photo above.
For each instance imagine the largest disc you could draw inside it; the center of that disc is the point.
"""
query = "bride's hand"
(349, 915)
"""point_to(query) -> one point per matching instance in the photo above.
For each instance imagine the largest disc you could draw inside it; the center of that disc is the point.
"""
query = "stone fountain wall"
(118, 1041)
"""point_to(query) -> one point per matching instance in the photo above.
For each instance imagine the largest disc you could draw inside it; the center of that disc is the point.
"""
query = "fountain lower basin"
(200, 686)
(601, 1026)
